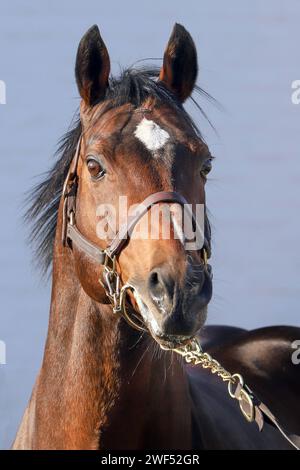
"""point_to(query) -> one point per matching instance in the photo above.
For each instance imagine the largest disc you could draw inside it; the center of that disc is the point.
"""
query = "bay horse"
(103, 384)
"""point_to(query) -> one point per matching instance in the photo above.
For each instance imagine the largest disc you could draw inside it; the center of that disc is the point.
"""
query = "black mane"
(133, 86)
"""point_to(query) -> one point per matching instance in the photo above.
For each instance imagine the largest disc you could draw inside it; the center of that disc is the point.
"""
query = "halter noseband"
(107, 257)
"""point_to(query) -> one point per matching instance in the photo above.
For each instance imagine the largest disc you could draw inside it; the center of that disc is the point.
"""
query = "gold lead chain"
(193, 354)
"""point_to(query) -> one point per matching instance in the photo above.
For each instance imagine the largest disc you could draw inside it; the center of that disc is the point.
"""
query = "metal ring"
(124, 312)
(235, 377)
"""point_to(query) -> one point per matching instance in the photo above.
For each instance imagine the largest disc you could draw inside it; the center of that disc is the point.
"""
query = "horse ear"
(92, 67)
(180, 67)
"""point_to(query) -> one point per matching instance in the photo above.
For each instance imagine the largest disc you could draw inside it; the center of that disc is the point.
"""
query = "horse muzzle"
(173, 311)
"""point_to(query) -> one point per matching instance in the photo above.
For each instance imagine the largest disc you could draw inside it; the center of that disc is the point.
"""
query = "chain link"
(193, 354)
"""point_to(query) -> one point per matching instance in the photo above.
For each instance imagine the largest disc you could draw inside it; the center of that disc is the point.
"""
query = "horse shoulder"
(217, 335)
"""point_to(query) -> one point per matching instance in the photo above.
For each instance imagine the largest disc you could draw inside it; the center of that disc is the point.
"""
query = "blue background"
(249, 56)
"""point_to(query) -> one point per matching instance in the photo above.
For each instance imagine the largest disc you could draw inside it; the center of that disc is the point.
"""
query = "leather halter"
(107, 257)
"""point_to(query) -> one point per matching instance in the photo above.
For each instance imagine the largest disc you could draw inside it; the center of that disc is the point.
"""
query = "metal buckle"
(112, 282)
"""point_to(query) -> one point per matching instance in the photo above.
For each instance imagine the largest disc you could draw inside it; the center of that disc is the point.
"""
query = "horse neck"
(99, 376)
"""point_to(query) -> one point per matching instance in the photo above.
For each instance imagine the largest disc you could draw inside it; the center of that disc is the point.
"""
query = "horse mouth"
(170, 342)
(165, 341)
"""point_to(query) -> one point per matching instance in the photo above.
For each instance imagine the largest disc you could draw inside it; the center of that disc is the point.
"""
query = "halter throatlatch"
(251, 407)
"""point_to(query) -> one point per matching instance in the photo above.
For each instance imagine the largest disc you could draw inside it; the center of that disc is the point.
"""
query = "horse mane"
(134, 86)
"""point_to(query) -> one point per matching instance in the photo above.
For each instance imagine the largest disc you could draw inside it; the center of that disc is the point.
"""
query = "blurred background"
(248, 55)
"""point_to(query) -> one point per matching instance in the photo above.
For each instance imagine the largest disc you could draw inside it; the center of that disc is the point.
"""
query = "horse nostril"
(161, 287)
(153, 279)
(156, 286)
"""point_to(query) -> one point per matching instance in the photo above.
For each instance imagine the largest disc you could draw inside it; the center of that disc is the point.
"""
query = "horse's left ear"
(180, 67)
(92, 67)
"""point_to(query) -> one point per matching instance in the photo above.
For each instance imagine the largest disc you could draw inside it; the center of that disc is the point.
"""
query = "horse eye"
(95, 168)
(206, 167)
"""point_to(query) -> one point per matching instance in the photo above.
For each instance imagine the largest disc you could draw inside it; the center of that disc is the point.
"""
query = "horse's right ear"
(180, 67)
(92, 67)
